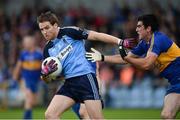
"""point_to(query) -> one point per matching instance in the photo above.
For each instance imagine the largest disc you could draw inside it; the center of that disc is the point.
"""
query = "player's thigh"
(29, 94)
(83, 107)
(59, 104)
(171, 103)
(94, 108)
(83, 111)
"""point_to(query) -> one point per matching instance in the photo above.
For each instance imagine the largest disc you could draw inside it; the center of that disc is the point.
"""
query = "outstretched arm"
(80, 34)
(97, 36)
(97, 56)
(142, 63)
(114, 59)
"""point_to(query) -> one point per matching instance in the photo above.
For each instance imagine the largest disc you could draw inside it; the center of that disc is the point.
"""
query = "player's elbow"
(147, 64)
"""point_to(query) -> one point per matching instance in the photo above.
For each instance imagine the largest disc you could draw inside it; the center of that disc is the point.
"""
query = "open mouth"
(46, 36)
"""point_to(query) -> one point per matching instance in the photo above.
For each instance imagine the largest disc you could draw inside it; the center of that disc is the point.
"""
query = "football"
(59, 66)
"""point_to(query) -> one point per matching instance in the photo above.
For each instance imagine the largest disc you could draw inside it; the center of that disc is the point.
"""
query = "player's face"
(48, 30)
(141, 31)
(28, 43)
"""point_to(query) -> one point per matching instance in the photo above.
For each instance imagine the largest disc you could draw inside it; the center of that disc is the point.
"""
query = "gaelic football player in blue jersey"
(29, 66)
(80, 85)
(154, 50)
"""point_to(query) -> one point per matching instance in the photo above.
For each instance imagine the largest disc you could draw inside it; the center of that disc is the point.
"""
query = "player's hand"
(94, 56)
(128, 43)
(122, 51)
(46, 78)
(48, 68)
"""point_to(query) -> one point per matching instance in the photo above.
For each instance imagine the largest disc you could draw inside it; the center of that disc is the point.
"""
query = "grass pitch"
(38, 113)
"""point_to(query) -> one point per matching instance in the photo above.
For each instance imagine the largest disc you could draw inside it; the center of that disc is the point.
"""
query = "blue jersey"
(31, 64)
(69, 47)
(168, 60)
(88, 46)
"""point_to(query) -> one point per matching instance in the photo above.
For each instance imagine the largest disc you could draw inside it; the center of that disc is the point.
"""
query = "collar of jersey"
(55, 40)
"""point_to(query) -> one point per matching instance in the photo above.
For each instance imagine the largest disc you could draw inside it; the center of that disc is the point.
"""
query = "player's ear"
(149, 29)
(55, 25)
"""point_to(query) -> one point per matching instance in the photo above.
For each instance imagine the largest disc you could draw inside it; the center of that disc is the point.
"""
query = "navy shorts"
(81, 88)
(32, 85)
(173, 89)
(172, 73)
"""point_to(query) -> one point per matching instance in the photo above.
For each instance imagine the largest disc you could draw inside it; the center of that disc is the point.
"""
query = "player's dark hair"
(48, 16)
(149, 20)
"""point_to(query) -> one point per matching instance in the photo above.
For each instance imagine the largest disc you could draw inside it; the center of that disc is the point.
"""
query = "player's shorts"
(81, 88)
(173, 89)
(32, 85)
(172, 73)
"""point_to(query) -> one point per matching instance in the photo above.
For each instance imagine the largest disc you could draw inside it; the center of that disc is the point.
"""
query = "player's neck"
(32, 49)
(148, 38)
(56, 33)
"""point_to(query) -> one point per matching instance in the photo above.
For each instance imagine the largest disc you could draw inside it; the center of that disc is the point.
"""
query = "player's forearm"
(15, 76)
(114, 59)
(103, 37)
(138, 62)
(16, 73)
(46, 79)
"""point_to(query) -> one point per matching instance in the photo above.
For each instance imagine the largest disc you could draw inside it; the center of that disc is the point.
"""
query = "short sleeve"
(139, 50)
(160, 44)
(21, 56)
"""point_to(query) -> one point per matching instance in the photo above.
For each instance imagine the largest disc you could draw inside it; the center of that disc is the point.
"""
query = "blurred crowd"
(119, 82)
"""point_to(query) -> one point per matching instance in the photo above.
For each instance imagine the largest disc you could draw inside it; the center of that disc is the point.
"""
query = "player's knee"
(167, 115)
(83, 114)
(32, 103)
(49, 115)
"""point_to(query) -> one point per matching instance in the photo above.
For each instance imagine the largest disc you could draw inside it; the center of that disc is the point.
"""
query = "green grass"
(38, 113)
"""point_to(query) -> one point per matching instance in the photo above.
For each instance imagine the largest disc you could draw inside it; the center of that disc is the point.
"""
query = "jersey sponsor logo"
(65, 52)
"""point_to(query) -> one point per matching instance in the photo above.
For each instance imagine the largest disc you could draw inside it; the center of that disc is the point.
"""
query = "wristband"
(120, 41)
(122, 52)
(102, 57)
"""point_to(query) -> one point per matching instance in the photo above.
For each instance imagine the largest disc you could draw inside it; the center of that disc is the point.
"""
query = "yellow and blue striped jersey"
(31, 64)
(167, 51)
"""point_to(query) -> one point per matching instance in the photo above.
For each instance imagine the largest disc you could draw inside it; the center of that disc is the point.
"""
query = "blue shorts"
(173, 89)
(172, 73)
(81, 88)
(32, 85)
